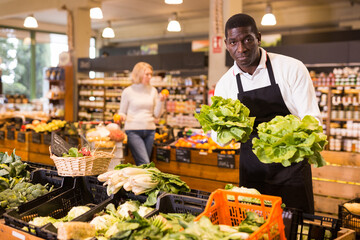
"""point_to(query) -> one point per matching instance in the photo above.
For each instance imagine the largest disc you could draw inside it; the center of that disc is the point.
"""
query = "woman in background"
(140, 105)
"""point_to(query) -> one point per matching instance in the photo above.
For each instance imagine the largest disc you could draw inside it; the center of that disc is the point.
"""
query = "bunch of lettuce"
(288, 140)
(228, 117)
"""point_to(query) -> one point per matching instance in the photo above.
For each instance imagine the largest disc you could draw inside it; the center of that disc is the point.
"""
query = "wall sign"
(10, 135)
(183, 155)
(163, 154)
(47, 139)
(21, 137)
(36, 137)
(217, 43)
(226, 161)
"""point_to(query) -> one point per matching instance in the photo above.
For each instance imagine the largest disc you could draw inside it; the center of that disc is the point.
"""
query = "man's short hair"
(241, 20)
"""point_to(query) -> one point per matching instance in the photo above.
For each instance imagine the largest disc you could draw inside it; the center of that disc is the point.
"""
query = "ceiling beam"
(11, 8)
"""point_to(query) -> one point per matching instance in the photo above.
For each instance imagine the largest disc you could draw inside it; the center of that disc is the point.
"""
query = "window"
(15, 61)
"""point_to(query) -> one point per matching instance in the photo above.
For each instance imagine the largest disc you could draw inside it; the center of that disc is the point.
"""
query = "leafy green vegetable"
(228, 117)
(73, 152)
(288, 140)
(144, 179)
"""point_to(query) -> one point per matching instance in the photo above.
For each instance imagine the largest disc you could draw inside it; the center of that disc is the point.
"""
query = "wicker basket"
(83, 166)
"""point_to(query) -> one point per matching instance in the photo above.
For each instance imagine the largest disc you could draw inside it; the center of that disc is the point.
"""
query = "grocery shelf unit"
(340, 111)
(61, 79)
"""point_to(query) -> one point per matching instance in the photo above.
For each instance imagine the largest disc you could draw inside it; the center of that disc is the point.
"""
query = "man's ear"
(259, 37)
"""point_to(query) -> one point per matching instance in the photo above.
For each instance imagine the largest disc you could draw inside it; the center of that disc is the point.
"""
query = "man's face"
(243, 46)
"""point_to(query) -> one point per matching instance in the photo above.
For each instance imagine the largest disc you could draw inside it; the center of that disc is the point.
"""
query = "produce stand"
(7, 232)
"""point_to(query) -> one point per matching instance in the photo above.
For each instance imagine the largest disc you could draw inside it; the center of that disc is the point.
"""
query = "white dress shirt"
(290, 74)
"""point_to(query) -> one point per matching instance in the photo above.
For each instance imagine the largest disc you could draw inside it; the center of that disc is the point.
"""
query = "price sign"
(21, 137)
(163, 154)
(36, 137)
(47, 139)
(226, 161)
(2, 135)
(10, 135)
(73, 141)
(183, 155)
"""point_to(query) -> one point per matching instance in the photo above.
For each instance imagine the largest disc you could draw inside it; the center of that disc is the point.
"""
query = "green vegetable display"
(288, 140)
(144, 179)
(11, 168)
(228, 117)
(21, 193)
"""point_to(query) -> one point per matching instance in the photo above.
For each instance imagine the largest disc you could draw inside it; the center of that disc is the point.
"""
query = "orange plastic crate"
(224, 207)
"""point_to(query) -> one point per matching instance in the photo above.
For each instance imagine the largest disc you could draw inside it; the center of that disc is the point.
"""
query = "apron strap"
(239, 85)
(270, 70)
(270, 73)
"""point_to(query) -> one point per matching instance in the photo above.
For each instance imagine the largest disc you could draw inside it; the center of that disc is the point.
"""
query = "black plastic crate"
(117, 199)
(175, 203)
(86, 191)
(197, 193)
(348, 219)
(43, 176)
(35, 166)
(292, 218)
(299, 225)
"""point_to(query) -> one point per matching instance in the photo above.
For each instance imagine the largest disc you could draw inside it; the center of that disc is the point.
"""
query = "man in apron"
(269, 85)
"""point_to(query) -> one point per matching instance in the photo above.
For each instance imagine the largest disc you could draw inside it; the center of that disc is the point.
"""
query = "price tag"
(10, 135)
(226, 161)
(21, 137)
(2, 135)
(73, 141)
(163, 154)
(183, 155)
(36, 137)
(47, 138)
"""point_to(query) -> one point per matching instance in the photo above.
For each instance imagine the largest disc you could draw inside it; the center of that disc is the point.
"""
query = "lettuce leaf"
(228, 117)
(288, 140)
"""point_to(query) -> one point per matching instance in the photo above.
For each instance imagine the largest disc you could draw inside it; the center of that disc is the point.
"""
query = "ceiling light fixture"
(96, 13)
(108, 32)
(30, 22)
(174, 25)
(173, 1)
(269, 18)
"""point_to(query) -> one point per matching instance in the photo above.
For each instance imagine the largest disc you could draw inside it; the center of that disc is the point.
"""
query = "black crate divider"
(86, 191)
(175, 203)
(349, 219)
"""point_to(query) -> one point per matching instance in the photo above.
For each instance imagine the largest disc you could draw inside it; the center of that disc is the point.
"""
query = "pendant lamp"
(96, 13)
(173, 1)
(108, 32)
(174, 25)
(269, 18)
(30, 22)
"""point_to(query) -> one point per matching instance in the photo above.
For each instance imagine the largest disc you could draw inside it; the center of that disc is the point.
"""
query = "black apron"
(294, 183)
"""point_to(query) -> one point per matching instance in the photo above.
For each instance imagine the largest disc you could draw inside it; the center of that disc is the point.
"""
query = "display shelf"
(103, 95)
(60, 93)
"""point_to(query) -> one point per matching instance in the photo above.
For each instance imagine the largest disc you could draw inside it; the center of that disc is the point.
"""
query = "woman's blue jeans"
(141, 143)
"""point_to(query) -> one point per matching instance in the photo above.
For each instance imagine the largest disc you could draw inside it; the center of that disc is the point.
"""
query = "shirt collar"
(262, 63)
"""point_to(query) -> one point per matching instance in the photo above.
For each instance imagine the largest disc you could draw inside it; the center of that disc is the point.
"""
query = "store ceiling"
(292, 15)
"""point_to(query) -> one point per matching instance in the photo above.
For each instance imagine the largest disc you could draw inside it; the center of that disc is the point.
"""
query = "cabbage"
(288, 140)
(41, 221)
(75, 212)
(104, 222)
(123, 209)
(143, 211)
(228, 117)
